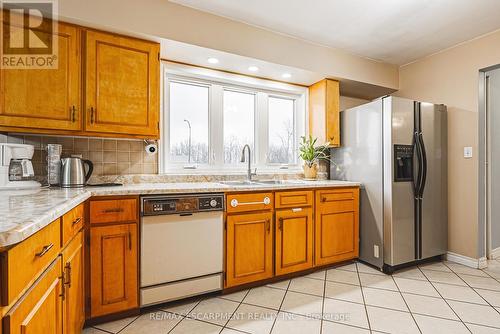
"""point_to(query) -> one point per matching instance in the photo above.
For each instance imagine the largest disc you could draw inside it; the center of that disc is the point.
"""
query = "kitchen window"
(239, 129)
(207, 119)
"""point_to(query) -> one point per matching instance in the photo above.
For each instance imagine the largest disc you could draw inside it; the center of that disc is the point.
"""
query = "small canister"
(54, 163)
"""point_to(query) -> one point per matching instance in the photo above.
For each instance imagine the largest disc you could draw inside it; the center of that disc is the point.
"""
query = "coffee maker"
(16, 169)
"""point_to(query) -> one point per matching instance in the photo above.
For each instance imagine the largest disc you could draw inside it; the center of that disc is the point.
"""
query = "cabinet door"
(122, 85)
(40, 310)
(294, 240)
(45, 98)
(74, 302)
(249, 248)
(324, 114)
(336, 225)
(113, 269)
(332, 113)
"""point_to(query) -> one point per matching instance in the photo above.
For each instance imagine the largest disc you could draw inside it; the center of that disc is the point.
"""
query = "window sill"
(232, 172)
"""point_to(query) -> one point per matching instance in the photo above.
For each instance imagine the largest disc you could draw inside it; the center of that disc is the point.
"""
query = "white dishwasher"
(181, 246)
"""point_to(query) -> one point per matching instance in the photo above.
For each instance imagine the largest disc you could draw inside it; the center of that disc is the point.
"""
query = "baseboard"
(466, 261)
(483, 262)
(495, 253)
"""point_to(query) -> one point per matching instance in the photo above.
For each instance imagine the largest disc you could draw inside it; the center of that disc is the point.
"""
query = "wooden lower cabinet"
(113, 268)
(74, 287)
(336, 225)
(294, 240)
(249, 247)
(40, 309)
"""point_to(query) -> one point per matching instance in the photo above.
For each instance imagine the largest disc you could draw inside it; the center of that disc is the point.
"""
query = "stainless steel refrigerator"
(397, 149)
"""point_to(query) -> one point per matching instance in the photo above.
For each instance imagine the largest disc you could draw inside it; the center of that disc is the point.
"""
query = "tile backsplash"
(109, 156)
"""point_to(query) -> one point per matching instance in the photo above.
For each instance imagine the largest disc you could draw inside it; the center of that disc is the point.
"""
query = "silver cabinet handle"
(235, 203)
(44, 250)
(76, 221)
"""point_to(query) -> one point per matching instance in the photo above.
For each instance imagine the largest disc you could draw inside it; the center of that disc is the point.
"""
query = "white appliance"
(16, 169)
(181, 246)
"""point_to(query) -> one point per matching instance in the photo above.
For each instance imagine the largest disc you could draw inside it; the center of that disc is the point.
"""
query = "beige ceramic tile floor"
(441, 297)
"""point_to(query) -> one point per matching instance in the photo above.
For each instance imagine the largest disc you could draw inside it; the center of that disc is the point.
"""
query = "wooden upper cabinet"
(336, 225)
(122, 80)
(249, 247)
(113, 269)
(45, 98)
(324, 113)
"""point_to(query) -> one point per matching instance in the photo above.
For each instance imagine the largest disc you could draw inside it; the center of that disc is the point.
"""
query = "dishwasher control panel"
(164, 205)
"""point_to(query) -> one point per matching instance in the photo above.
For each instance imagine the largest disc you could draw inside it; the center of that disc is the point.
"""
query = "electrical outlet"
(376, 251)
(467, 152)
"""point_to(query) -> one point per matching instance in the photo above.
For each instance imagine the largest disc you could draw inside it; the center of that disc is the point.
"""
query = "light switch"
(376, 251)
(467, 152)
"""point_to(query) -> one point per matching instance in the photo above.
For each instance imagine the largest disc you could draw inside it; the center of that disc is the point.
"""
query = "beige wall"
(451, 77)
(346, 102)
(160, 18)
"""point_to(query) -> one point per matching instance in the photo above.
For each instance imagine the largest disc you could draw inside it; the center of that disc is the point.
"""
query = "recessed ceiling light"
(286, 75)
(253, 68)
(213, 60)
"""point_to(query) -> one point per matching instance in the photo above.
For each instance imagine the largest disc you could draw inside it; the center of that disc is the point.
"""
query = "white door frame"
(484, 212)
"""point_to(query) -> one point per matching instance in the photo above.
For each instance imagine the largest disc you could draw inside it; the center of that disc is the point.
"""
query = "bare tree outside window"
(281, 131)
(239, 115)
(188, 102)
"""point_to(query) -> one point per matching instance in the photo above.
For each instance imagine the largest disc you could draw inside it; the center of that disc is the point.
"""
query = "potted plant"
(311, 155)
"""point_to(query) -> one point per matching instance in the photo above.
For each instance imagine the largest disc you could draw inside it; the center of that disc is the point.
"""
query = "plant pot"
(310, 172)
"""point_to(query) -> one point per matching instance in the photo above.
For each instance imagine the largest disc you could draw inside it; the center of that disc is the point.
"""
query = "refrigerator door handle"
(424, 165)
(418, 182)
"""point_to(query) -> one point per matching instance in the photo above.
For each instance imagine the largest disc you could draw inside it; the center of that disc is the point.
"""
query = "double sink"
(259, 183)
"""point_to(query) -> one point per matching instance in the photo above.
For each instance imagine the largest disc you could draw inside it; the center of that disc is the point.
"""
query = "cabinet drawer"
(291, 199)
(40, 309)
(343, 194)
(249, 202)
(71, 223)
(24, 262)
(113, 211)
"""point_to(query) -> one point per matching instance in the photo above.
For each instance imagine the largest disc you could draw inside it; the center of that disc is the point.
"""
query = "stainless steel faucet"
(249, 170)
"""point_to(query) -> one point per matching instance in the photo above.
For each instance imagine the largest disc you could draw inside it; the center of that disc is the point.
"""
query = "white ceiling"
(393, 31)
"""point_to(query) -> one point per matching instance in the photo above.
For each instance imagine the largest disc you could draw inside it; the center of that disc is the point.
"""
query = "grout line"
(235, 310)
(479, 295)
(183, 316)
(423, 272)
(323, 305)
(408, 307)
(364, 301)
(281, 304)
(100, 330)
(480, 325)
(137, 317)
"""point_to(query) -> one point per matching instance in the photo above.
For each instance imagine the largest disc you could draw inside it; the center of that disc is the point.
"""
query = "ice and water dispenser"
(403, 163)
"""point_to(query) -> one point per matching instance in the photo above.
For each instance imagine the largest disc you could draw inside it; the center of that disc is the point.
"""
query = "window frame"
(217, 82)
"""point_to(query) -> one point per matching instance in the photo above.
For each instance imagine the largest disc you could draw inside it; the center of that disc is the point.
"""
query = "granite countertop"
(23, 213)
